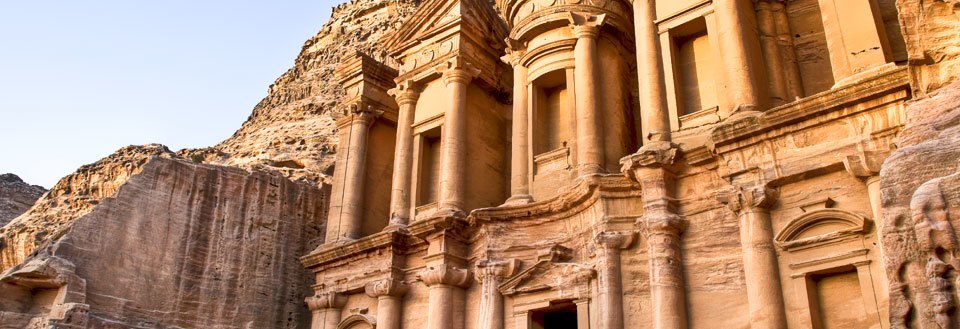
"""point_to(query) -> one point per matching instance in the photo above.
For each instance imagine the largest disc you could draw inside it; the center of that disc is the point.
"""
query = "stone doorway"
(557, 316)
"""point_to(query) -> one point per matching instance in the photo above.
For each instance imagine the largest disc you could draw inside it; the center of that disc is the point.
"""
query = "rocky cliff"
(920, 181)
(16, 197)
(179, 245)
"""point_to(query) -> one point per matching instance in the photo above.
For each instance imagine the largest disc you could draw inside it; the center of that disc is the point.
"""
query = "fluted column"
(520, 148)
(490, 274)
(407, 95)
(661, 227)
(590, 155)
(653, 104)
(446, 283)
(389, 294)
(346, 209)
(453, 151)
(760, 266)
(326, 309)
(742, 78)
(610, 296)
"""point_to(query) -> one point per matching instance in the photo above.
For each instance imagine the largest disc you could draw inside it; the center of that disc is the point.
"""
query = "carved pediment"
(821, 227)
(567, 279)
(434, 16)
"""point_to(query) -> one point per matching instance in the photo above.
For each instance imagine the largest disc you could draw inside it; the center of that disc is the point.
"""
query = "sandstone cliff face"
(178, 245)
(290, 130)
(920, 181)
(16, 197)
(74, 195)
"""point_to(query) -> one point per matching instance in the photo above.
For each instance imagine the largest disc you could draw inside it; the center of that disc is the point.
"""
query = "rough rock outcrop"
(16, 197)
(290, 130)
(74, 196)
(920, 181)
(178, 245)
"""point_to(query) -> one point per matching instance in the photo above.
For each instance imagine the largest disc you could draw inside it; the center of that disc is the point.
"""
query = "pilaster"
(609, 245)
(490, 274)
(389, 294)
(346, 208)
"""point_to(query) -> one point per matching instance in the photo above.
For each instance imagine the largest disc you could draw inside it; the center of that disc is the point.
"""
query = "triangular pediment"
(437, 16)
(548, 275)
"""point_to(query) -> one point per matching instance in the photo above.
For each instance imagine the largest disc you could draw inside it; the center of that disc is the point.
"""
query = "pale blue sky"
(80, 79)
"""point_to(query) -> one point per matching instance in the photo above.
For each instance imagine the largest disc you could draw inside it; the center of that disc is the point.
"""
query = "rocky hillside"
(289, 130)
(16, 197)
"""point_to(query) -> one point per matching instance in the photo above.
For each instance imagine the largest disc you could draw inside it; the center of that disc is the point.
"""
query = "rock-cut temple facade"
(647, 164)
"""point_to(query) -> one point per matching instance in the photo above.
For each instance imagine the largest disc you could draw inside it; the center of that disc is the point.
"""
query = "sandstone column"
(742, 78)
(776, 72)
(520, 149)
(661, 226)
(326, 309)
(457, 76)
(653, 104)
(785, 40)
(760, 266)
(407, 96)
(491, 274)
(590, 155)
(446, 286)
(389, 294)
(346, 209)
(610, 295)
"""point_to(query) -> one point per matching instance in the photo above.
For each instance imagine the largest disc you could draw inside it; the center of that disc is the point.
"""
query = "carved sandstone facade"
(617, 164)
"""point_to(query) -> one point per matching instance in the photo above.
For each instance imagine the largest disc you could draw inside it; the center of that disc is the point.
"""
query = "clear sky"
(80, 79)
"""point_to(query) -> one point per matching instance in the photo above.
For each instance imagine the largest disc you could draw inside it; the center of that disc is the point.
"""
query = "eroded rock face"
(921, 199)
(178, 245)
(74, 196)
(16, 197)
(290, 129)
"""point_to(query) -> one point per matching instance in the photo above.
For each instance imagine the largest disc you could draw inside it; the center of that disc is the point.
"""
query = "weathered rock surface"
(921, 199)
(290, 129)
(74, 196)
(920, 181)
(16, 197)
(178, 245)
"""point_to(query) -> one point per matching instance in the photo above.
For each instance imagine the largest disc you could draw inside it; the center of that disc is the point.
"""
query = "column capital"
(445, 275)
(614, 240)
(515, 50)
(586, 25)
(352, 113)
(755, 197)
(406, 92)
(456, 70)
(385, 287)
(325, 300)
(866, 164)
(656, 154)
(496, 269)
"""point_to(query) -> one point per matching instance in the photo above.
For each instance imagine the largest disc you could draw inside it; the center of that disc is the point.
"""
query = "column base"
(590, 169)
(518, 199)
(399, 228)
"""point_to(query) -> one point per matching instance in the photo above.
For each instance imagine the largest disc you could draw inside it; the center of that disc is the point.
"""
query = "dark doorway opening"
(558, 316)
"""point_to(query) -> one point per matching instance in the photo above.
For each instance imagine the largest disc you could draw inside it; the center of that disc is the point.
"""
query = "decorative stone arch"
(358, 321)
(827, 243)
(821, 226)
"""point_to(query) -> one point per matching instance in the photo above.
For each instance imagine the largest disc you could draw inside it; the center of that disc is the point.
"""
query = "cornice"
(740, 131)
(326, 254)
